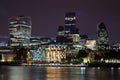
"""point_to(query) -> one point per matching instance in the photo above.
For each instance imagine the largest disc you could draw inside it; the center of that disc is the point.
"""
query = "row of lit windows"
(70, 18)
(70, 24)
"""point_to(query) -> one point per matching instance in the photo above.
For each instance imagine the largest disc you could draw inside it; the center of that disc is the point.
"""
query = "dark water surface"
(58, 73)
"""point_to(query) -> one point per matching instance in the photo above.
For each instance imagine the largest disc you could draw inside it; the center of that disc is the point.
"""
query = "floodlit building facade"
(56, 53)
(48, 53)
(90, 44)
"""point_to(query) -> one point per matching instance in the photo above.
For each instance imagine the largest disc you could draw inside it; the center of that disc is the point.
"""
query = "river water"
(58, 73)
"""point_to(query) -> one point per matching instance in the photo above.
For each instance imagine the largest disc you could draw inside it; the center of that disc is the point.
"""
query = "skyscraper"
(102, 37)
(70, 22)
(19, 30)
(69, 33)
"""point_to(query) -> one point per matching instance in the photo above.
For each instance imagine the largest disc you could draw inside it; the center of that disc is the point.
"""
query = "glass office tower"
(102, 37)
(19, 30)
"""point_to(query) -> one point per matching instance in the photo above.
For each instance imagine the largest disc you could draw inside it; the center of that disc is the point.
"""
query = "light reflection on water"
(57, 73)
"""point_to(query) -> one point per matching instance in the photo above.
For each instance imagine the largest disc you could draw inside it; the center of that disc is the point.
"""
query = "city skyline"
(44, 15)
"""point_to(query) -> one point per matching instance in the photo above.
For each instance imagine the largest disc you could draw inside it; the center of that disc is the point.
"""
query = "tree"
(81, 54)
(97, 57)
(21, 54)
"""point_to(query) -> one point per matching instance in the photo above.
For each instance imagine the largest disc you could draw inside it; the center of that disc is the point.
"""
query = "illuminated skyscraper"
(19, 30)
(102, 37)
(69, 33)
(70, 22)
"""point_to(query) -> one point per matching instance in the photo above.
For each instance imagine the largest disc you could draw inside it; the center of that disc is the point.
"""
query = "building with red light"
(19, 30)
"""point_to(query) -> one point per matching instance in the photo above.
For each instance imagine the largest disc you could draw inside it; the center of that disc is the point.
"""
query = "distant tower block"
(61, 31)
(102, 37)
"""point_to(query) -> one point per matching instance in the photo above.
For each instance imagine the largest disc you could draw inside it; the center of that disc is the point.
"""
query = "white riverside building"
(49, 53)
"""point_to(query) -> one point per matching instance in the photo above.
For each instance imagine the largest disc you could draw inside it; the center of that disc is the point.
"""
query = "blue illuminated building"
(38, 54)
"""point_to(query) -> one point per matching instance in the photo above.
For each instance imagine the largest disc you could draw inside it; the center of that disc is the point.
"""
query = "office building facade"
(19, 30)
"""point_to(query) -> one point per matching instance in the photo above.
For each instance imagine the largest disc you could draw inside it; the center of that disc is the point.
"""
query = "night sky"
(47, 15)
